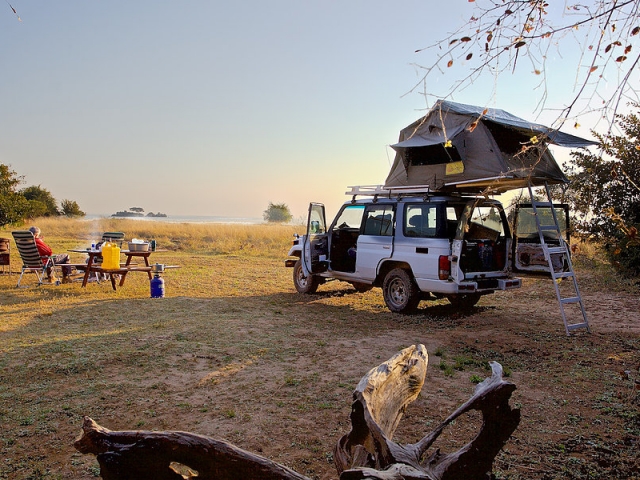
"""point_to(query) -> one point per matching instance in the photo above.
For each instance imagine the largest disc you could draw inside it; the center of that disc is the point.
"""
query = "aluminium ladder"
(563, 250)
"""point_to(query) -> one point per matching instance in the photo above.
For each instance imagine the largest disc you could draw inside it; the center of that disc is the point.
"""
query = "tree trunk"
(367, 452)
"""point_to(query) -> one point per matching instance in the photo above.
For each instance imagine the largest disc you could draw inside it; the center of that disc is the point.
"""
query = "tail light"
(444, 267)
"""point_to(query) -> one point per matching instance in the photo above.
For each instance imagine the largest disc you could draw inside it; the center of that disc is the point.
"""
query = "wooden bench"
(122, 271)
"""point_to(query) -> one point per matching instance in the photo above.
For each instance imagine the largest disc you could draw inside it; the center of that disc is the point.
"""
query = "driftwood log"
(367, 452)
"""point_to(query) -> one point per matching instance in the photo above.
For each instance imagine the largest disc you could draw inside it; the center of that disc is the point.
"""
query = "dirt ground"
(273, 373)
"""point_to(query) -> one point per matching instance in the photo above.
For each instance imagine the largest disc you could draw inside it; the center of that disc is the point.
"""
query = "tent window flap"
(431, 155)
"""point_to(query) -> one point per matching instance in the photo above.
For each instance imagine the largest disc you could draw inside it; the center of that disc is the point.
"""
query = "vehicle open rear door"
(528, 254)
(316, 241)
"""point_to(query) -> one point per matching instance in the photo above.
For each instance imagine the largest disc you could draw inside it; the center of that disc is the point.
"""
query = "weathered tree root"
(367, 452)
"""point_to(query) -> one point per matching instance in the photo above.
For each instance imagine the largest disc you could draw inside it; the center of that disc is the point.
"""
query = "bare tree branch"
(499, 35)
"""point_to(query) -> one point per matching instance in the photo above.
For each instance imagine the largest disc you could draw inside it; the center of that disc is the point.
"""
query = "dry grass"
(233, 352)
(262, 239)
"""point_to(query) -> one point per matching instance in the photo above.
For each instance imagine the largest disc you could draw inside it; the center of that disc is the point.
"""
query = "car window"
(316, 220)
(350, 217)
(454, 213)
(378, 221)
(486, 223)
(421, 220)
(526, 227)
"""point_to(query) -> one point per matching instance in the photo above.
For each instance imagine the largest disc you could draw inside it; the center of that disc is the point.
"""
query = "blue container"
(157, 287)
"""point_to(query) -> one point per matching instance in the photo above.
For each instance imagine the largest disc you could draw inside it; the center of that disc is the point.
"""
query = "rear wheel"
(303, 283)
(401, 294)
(464, 301)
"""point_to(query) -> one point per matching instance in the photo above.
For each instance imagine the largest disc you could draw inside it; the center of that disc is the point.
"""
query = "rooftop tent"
(489, 149)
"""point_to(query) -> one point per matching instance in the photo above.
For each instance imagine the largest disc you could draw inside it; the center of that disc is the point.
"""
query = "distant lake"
(185, 219)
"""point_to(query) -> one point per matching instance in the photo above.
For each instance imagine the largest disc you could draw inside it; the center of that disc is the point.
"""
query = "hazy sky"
(217, 108)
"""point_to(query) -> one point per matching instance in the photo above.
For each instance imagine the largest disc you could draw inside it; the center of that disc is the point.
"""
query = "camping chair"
(113, 237)
(31, 259)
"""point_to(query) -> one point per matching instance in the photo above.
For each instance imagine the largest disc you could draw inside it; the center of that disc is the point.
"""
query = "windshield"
(350, 217)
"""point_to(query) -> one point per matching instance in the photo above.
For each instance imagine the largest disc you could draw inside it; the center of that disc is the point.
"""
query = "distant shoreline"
(181, 219)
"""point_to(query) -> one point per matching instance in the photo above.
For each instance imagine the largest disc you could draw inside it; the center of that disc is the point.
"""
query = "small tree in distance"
(70, 208)
(277, 213)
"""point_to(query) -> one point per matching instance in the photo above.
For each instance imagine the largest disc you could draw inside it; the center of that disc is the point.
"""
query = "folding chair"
(113, 237)
(31, 259)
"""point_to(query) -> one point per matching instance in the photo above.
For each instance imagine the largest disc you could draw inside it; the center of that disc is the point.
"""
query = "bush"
(43, 203)
(605, 192)
(627, 259)
(277, 213)
(625, 253)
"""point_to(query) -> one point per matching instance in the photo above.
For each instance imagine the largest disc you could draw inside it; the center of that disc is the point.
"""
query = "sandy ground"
(274, 374)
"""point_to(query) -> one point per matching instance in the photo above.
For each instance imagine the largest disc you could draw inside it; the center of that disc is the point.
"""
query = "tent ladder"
(565, 298)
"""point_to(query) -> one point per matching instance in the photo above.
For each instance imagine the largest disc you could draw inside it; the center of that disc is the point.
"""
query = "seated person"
(45, 251)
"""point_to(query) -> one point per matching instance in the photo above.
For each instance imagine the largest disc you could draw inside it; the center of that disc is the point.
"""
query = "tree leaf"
(469, 56)
(520, 44)
(627, 49)
(593, 69)
(621, 59)
(635, 31)
(449, 63)
(465, 39)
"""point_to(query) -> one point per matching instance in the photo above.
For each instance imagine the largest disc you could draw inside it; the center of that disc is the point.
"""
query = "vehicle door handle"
(387, 247)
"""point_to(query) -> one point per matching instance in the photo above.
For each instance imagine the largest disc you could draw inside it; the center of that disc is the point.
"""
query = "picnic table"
(123, 270)
(134, 253)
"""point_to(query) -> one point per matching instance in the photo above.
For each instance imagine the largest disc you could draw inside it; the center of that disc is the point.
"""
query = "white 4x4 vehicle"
(414, 246)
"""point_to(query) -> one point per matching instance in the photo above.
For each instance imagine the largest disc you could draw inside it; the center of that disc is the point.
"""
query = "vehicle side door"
(424, 240)
(316, 246)
(375, 242)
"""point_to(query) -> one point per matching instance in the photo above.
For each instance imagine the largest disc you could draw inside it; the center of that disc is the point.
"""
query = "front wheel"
(401, 294)
(303, 283)
(463, 301)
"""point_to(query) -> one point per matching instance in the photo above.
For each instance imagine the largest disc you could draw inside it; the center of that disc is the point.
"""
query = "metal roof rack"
(381, 190)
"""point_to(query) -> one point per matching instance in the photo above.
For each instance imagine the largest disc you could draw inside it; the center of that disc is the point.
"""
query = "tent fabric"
(489, 148)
